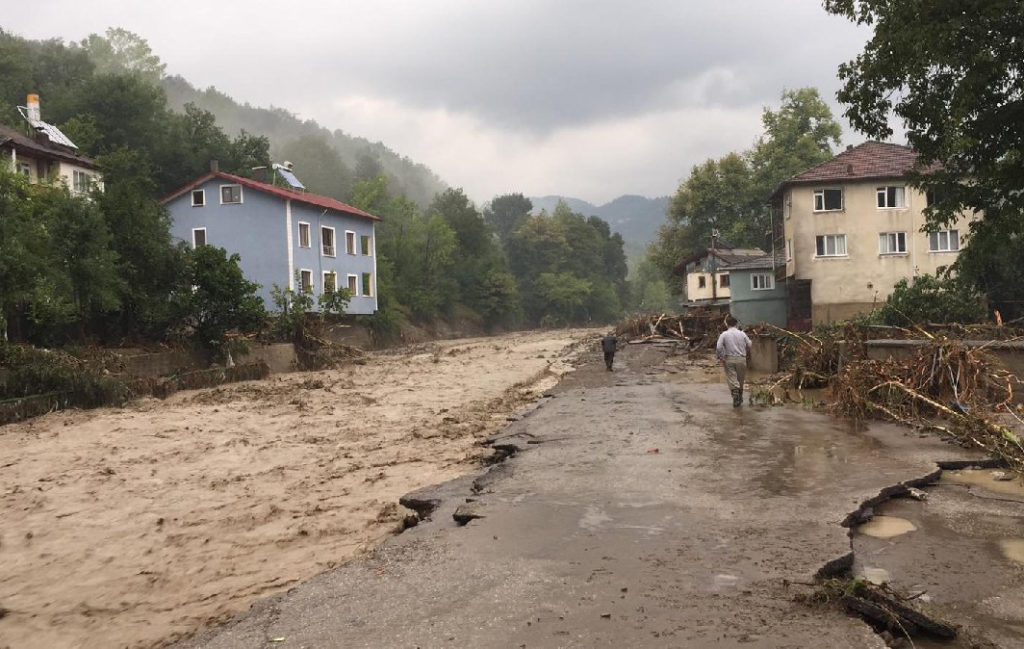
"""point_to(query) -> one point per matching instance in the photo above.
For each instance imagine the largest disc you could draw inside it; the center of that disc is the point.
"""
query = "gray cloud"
(499, 95)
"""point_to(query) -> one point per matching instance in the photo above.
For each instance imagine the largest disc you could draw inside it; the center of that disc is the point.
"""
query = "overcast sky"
(590, 99)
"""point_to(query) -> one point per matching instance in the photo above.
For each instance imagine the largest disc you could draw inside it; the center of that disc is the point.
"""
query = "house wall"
(844, 286)
(696, 294)
(40, 169)
(751, 306)
(343, 263)
(258, 230)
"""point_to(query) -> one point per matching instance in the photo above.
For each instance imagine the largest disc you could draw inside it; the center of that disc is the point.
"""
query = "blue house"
(284, 236)
(756, 296)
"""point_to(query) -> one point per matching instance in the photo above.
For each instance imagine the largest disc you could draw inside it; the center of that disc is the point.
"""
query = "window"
(723, 281)
(230, 194)
(828, 200)
(198, 237)
(306, 281)
(25, 169)
(702, 282)
(365, 245)
(762, 281)
(330, 281)
(889, 197)
(892, 243)
(933, 195)
(304, 236)
(367, 284)
(353, 285)
(831, 245)
(350, 242)
(789, 250)
(81, 181)
(944, 241)
(327, 239)
(198, 197)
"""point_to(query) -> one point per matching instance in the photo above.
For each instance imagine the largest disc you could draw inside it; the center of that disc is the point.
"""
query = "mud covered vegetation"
(950, 384)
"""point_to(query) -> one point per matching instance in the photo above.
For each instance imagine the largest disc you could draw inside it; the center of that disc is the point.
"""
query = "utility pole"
(712, 264)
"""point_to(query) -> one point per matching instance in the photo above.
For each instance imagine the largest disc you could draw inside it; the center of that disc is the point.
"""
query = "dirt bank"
(130, 527)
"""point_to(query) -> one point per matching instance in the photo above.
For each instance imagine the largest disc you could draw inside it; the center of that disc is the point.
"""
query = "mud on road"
(131, 527)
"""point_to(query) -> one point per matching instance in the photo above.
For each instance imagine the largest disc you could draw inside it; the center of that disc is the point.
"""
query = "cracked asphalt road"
(643, 511)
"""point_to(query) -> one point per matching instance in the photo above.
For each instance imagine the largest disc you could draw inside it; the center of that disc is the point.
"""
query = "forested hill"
(636, 218)
(329, 162)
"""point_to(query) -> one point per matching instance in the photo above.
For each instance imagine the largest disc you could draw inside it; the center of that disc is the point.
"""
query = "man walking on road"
(733, 346)
(608, 345)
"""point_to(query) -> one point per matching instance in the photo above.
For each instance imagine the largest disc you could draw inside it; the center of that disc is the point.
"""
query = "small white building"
(47, 157)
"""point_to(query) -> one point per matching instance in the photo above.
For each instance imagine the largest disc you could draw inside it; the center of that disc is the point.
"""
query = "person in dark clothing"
(608, 345)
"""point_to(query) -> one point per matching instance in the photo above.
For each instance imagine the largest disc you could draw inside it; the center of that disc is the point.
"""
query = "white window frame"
(369, 245)
(367, 281)
(820, 193)
(352, 284)
(24, 169)
(835, 238)
(309, 235)
(206, 240)
(305, 273)
(241, 197)
(762, 281)
(81, 181)
(202, 194)
(888, 240)
(952, 241)
(350, 242)
(323, 281)
(789, 249)
(333, 251)
(882, 194)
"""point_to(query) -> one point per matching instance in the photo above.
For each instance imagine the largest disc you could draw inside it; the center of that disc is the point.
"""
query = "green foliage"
(505, 213)
(951, 72)
(931, 299)
(33, 371)
(334, 302)
(731, 194)
(122, 52)
(290, 312)
(992, 263)
(219, 299)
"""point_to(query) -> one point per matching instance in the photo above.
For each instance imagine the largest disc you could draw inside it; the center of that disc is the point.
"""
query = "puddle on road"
(986, 478)
(886, 527)
(1013, 549)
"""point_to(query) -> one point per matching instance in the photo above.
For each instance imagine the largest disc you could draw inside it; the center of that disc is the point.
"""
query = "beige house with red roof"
(852, 228)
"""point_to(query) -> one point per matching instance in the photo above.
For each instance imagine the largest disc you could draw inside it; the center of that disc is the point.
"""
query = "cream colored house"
(707, 273)
(852, 228)
(47, 157)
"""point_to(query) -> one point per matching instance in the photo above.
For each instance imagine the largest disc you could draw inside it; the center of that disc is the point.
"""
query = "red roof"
(868, 161)
(288, 194)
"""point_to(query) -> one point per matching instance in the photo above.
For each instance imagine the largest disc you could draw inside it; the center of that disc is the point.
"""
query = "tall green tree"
(122, 52)
(951, 71)
(505, 213)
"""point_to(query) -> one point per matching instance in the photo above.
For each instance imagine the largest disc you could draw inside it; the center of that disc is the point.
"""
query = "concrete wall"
(764, 354)
(751, 306)
(864, 276)
(280, 357)
(258, 230)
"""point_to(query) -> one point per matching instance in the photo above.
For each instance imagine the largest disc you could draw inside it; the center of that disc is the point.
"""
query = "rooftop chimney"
(259, 174)
(214, 166)
(849, 147)
(32, 106)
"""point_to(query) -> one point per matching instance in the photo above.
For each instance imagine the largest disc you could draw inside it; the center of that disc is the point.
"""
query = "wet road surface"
(643, 511)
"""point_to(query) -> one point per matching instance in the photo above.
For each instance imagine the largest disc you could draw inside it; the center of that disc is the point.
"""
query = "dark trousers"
(608, 358)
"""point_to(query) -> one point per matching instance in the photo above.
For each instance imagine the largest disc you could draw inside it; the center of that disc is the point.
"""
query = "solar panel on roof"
(290, 178)
(54, 133)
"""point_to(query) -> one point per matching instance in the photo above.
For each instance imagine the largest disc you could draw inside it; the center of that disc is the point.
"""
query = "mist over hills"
(636, 218)
(303, 142)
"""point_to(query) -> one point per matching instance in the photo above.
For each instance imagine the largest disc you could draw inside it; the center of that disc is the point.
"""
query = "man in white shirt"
(733, 346)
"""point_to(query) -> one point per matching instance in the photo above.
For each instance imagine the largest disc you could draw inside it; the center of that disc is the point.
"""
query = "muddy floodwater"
(886, 527)
(127, 527)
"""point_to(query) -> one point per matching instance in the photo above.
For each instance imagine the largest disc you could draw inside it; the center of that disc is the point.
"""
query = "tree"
(217, 298)
(505, 213)
(951, 71)
(123, 52)
(928, 298)
(319, 166)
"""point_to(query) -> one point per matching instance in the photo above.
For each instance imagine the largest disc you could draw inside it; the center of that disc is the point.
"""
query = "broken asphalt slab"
(589, 540)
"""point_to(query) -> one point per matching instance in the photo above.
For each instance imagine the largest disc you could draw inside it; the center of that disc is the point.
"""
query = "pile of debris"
(696, 328)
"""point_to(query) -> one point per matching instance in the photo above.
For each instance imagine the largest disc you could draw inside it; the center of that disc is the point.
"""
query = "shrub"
(931, 299)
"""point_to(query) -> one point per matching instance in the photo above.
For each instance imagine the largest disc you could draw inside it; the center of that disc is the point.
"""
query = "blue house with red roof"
(284, 236)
